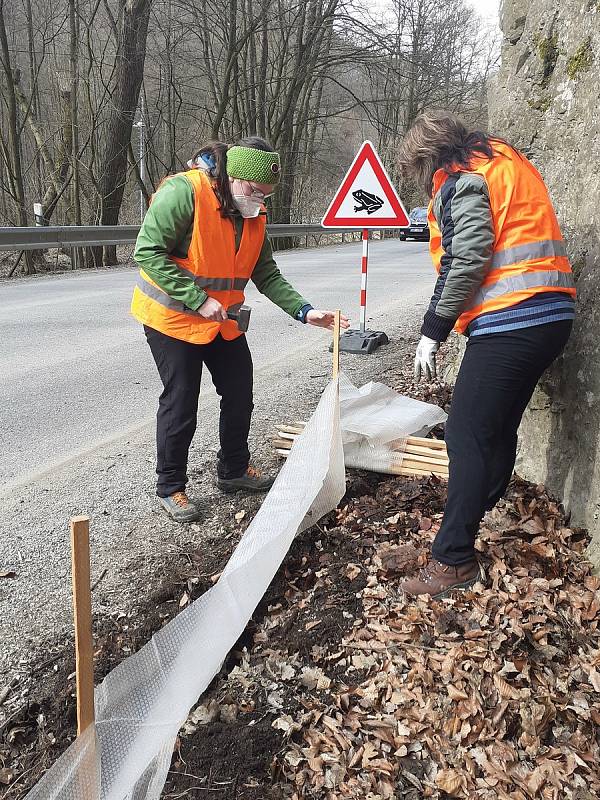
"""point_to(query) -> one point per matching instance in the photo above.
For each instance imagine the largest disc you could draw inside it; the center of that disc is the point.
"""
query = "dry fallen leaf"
(594, 677)
(310, 625)
(6, 775)
(456, 694)
(315, 678)
(505, 690)
(201, 715)
(240, 515)
(286, 724)
(450, 781)
(228, 712)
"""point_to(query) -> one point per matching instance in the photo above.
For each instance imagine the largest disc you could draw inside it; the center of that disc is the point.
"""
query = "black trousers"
(494, 385)
(180, 368)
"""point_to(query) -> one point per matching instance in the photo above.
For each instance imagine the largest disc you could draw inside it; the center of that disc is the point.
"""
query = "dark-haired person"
(201, 241)
(504, 281)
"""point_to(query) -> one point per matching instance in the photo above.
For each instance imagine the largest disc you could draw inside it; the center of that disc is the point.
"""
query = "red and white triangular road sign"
(366, 197)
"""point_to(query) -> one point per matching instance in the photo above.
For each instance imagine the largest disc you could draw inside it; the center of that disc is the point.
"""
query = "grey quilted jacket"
(462, 210)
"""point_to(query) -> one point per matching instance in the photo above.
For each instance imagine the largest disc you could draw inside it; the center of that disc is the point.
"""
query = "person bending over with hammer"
(201, 241)
(504, 281)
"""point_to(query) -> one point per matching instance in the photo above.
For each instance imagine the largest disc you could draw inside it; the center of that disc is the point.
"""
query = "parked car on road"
(418, 226)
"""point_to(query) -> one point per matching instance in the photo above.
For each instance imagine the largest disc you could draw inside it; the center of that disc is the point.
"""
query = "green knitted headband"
(250, 164)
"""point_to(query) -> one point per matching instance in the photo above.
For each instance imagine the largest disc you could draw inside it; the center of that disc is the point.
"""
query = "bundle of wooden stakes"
(414, 456)
(417, 456)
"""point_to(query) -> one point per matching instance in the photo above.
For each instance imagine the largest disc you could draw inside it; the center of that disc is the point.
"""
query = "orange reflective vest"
(214, 265)
(529, 253)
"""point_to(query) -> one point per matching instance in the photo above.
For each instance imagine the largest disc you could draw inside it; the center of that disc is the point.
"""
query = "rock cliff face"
(546, 101)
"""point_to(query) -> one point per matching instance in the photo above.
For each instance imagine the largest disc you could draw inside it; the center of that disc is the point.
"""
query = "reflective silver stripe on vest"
(221, 284)
(546, 248)
(548, 278)
(164, 299)
(216, 284)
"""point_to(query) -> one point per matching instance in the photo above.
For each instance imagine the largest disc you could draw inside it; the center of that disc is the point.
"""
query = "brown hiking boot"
(250, 481)
(180, 508)
(438, 580)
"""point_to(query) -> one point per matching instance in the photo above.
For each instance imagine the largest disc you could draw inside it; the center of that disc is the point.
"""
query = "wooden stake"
(294, 430)
(336, 346)
(408, 456)
(82, 612)
(424, 451)
(419, 473)
(436, 444)
(427, 466)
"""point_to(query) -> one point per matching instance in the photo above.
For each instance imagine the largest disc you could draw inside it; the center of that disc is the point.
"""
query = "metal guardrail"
(44, 238)
(41, 238)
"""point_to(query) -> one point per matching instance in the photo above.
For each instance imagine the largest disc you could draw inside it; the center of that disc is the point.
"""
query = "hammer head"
(242, 317)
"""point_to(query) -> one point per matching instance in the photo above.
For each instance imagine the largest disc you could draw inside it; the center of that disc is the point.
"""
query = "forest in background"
(103, 98)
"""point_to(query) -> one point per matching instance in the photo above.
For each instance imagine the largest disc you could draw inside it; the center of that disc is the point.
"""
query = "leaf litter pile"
(492, 693)
(342, 688)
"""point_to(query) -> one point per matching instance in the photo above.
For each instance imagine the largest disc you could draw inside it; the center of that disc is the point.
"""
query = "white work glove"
(213, 310)
(425, 359)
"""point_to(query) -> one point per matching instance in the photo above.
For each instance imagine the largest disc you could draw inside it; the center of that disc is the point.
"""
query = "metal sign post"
(363, 281)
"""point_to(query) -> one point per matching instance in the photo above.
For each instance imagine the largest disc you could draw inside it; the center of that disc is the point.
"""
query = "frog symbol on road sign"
(368, 202)
(366, 197)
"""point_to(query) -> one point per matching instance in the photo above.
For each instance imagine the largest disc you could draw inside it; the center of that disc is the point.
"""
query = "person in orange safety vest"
(505, 282)
(202, 239)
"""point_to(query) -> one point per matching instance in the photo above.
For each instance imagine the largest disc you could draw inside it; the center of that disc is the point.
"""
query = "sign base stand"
(364, 342)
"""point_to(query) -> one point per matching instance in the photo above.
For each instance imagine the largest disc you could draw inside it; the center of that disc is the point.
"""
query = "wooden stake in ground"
(82, 612)
(336, 346)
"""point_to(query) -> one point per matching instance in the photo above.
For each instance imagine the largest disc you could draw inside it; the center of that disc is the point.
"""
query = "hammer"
(242, 317)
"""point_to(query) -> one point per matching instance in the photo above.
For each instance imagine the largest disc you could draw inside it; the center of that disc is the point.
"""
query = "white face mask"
(248, 207)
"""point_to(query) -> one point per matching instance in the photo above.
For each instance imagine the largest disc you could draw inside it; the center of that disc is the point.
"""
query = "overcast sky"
(487, 8)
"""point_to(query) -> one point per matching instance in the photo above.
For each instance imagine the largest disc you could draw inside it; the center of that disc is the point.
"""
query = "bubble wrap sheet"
(143, 702)
(376, 421)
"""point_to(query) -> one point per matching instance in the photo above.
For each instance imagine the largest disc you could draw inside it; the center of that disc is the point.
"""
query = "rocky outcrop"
(546, 101)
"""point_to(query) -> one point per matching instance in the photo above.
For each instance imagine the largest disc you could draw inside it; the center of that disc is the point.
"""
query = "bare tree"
(11, 149)
(314, 77)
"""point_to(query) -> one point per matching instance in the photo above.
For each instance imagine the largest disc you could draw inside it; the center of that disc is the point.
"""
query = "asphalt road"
(77, 372)
(78, 394)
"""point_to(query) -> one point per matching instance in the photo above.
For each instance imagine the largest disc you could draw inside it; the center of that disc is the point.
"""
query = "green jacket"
(167, 230)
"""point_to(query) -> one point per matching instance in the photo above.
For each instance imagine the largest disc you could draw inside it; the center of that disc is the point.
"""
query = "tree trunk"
(129, 70)
(33, 87)
(232, 53)
(14, 139)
